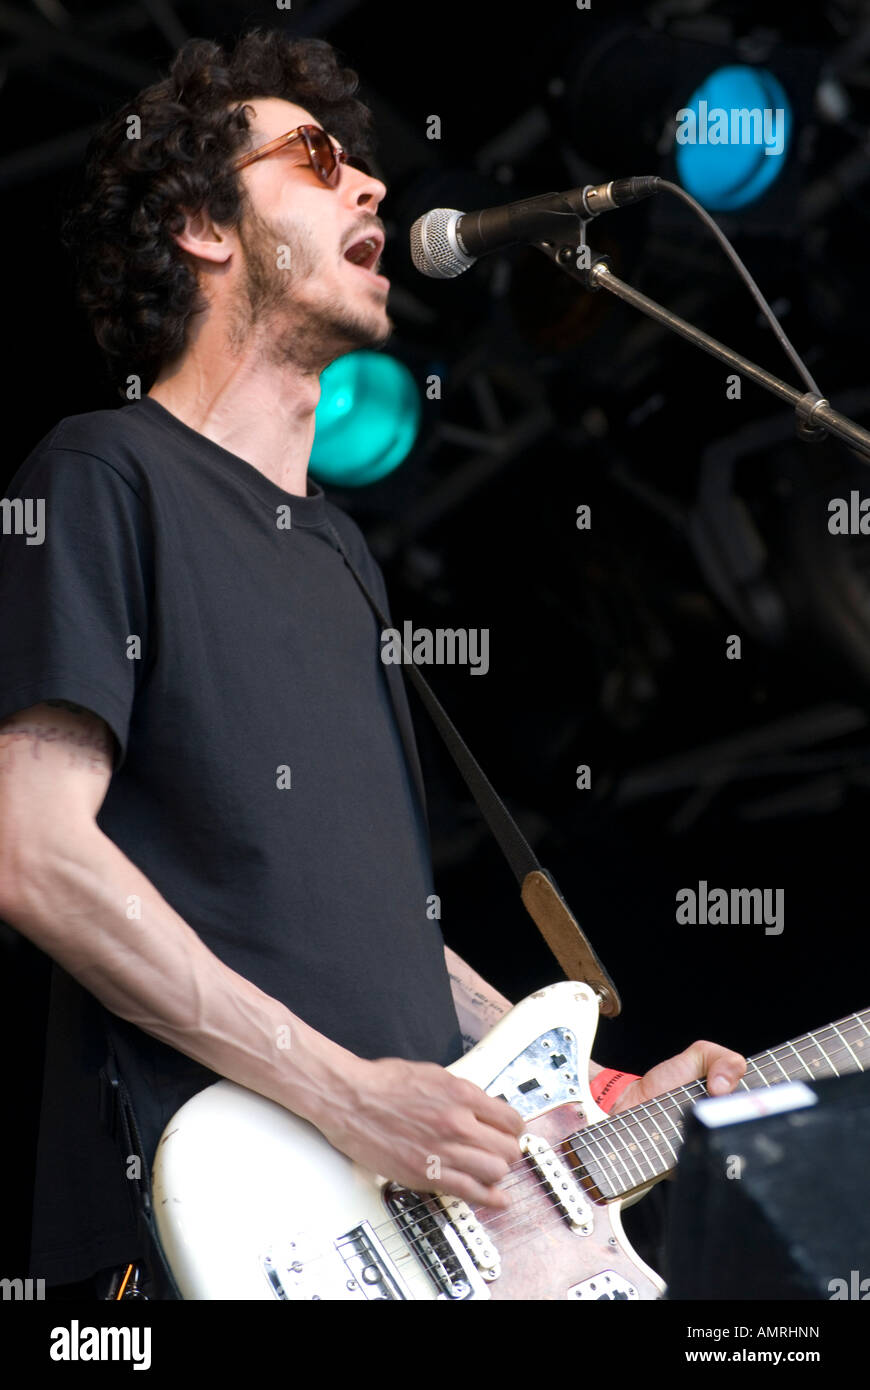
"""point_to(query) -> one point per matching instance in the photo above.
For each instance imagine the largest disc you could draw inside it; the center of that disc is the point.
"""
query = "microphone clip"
(579, 261)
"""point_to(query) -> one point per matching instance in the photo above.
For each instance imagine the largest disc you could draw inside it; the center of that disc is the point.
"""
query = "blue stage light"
(732, 139)
(366, 421)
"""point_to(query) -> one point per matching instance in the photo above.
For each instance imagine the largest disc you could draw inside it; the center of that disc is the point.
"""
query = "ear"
(203, 238)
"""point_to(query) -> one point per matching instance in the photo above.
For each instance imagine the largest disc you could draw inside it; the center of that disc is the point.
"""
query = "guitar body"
(251, 1202)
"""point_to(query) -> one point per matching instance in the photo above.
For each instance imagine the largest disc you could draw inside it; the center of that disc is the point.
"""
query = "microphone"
(445, 241)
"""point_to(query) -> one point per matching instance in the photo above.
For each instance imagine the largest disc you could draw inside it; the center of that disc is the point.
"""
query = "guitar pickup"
(474, 1236)
(560, 1183)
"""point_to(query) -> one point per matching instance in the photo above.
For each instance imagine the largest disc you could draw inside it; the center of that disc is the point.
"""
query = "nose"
(363, 190)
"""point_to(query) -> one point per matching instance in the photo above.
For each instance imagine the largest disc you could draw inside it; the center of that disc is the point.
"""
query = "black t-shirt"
(267, 781)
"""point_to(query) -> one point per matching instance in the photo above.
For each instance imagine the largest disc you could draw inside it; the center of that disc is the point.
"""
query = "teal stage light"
(367, 419)
(732, 139)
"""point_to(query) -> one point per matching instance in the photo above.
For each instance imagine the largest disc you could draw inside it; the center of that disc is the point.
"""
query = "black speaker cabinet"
(775, 1206)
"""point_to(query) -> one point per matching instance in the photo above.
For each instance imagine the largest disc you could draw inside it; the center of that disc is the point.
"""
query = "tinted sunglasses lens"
(321, 154)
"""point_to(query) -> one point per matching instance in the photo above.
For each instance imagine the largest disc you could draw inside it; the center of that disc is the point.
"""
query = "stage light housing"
(733, 137)
(367, 419)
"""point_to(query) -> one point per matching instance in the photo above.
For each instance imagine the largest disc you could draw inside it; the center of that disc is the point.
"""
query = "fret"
(606, 1162)
(636, 1120)
(821, 1064)
(651, 1132)
(824, 1053)
(777, 1063)
(617, 1134)
(859, 1041)
(757, 1062)
(598, 1168)
(616, 1126)
(846, 1045)
(754, 1076)
(607, 1187)
(800, 1060)
(601, 1167)
(656, 1100)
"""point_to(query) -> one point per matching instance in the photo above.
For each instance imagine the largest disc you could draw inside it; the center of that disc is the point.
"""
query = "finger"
(721, 1067)
(458, 1184)
(498, 1114)
(725, 1076)
(692, 1065)
(478, 1163)
(475, 1134)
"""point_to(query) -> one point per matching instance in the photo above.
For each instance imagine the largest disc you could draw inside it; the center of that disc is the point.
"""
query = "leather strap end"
(566, 939)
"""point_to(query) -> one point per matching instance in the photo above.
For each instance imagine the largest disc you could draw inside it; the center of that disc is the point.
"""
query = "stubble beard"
(292, 332)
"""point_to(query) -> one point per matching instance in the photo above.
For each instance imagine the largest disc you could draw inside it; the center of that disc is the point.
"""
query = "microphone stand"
(815, 415)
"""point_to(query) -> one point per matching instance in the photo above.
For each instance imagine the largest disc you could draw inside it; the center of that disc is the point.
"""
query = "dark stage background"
(708, 519)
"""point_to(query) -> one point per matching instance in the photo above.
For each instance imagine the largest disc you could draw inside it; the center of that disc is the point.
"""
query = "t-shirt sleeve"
(75, 584)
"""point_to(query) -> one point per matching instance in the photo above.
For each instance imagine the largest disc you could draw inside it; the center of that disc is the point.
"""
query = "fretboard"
(631, 1149)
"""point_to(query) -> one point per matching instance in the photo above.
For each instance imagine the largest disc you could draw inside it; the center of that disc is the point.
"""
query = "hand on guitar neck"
(717, 1066)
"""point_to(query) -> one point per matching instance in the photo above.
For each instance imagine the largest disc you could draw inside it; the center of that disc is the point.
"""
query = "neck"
(263, 414)
(638, 1146)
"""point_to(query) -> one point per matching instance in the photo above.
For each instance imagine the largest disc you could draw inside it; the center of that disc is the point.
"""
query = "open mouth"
(365, 253)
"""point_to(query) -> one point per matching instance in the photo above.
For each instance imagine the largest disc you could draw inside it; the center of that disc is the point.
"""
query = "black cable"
(709, 222)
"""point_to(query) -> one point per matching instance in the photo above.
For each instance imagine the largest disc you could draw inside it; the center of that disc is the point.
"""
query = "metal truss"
(91, 56)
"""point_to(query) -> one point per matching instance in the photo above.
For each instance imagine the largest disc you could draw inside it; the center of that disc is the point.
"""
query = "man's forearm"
(479, 1005)
(73, 899)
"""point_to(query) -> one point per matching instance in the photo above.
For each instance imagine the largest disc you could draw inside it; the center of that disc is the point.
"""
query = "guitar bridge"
(364, 1271)
(429, 1233)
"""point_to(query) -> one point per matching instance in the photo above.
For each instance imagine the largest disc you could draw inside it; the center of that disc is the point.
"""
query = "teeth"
(361, 251)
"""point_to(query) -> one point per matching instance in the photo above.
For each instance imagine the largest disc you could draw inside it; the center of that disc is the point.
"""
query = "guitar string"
(498, 1222)
(406, 1244)
(617, 1125)
(504, 1223)
(529, 1222)
(525, 1229)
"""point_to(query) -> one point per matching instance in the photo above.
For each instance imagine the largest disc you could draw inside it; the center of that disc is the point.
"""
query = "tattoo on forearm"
(476, 1011)
(87, 746)
(475, 999)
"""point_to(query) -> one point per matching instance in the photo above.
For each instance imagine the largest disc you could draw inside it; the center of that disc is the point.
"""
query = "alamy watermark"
(17, 518)
(22, 1290)
(77, 1343)
(445, 646)
(739, 125)
(853, 1288)
(735, 907)
(849, 516)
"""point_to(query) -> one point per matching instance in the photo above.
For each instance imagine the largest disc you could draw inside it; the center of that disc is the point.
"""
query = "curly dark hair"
(133, 280)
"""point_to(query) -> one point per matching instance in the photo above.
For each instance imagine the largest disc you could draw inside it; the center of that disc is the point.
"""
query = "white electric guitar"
(252, 1202)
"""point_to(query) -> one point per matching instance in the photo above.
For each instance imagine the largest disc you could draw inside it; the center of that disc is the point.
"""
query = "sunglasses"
(324, 157)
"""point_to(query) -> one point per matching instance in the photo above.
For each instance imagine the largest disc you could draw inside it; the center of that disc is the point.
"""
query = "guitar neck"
(629, 1150)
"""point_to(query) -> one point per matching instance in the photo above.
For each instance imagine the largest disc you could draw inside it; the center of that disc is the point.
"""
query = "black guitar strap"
(119, 1119)
(538, 889)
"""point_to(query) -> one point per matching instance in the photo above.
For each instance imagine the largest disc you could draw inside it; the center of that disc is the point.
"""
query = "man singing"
(211, 811)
